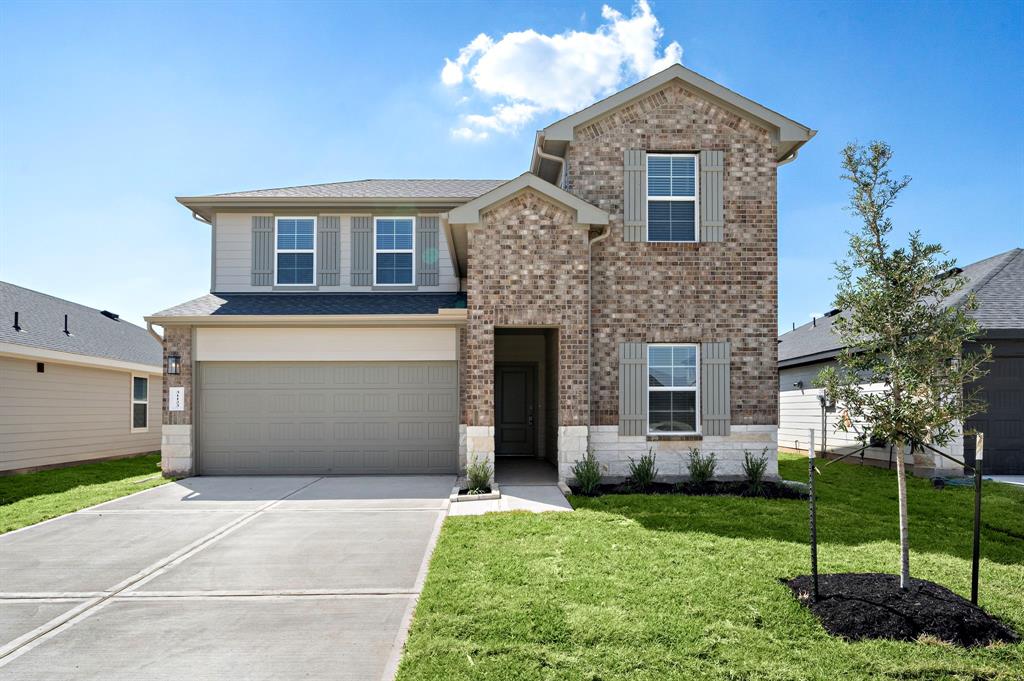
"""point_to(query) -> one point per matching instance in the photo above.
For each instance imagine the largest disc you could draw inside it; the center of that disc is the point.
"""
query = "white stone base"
(479, 446)
(928, 464)
(614, 451)
(176, 458)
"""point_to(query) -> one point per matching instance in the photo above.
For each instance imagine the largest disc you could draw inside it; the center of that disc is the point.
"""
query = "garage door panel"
(328, 418)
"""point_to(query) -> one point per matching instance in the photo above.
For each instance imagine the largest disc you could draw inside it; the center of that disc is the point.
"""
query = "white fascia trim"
(44, 355)
(444, 317)
(469, 214)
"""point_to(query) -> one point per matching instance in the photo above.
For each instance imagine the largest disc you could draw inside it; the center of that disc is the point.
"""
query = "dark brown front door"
(515, 408)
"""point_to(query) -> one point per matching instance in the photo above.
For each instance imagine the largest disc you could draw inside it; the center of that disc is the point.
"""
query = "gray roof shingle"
(997, 283)
(373, 189)
(227, 304)
(93, 334)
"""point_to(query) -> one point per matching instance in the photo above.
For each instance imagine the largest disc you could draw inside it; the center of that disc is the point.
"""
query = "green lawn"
(634, 587)
(33, 497)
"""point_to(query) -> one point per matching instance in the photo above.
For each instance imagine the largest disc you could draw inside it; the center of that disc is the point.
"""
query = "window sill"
(692, 437)
(137, 431)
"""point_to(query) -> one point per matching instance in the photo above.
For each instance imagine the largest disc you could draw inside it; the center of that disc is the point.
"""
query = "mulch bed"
(465, 491)
(872, 605)
(769, 490)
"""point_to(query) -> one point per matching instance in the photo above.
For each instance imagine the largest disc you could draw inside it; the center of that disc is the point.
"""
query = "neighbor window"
(296, 248)
(393, 251)
(672, 382)
(672, 197)
(140, 403)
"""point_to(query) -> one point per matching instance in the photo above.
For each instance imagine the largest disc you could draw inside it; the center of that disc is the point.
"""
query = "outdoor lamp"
(173, 364)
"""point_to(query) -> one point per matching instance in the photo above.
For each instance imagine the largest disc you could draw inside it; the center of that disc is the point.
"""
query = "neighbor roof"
(996, 282)
(789, 135)
(93, 334)
(253, 304)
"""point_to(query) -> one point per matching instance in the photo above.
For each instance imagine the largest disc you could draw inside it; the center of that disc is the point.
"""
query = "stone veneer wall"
(614, 451)
(685, 292)
(176, 447)
(527, 268)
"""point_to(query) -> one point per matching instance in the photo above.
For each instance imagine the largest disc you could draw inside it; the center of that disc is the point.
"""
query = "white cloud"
(526, 73)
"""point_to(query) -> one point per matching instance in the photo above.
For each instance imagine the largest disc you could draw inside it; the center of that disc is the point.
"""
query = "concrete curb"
(495, 493)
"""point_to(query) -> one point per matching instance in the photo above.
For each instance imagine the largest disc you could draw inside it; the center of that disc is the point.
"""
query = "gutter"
(444, 317)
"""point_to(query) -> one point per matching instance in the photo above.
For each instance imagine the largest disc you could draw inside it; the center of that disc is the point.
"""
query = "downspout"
(590, 325)
(790, 158)
(199, 218)
(557, 159)
(154, 334)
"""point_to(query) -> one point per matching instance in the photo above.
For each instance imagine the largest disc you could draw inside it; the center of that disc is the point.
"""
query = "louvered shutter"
(328, 250)
(262, 250)
(714, 388)
(634, 204)
(427, 251)
(632, 388)
(712, 203)
(362, 250)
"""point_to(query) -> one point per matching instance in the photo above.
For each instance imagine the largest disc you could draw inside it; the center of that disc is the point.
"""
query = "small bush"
(643, 472)
(753, 469)
(587, 472)
(478, 476)
(701, 466)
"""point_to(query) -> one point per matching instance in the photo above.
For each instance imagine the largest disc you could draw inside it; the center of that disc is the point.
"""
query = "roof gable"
(469, 213)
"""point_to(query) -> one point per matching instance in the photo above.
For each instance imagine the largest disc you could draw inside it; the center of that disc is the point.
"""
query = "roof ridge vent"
(111, 315)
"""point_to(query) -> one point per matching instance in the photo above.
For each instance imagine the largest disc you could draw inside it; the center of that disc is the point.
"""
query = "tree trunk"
(901, 482)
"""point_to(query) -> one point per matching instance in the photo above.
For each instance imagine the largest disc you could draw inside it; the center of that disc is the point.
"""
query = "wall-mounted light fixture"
(799, 385)
(173, 364)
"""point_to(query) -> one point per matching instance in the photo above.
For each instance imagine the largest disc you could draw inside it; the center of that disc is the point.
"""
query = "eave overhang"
(444, 317)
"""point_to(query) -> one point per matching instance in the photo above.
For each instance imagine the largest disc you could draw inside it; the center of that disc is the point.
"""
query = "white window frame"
(394, 250)
(695, 389)
(277, 220)
(695, 199)
(132, 402)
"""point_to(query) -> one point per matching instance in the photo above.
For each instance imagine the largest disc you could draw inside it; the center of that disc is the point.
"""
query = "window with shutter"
(673, 403)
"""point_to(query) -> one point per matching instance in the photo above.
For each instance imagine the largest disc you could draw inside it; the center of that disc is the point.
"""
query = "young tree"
(899, 329)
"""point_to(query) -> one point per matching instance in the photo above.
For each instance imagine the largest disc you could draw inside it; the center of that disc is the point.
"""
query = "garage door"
(1003, 420)
(327, 418)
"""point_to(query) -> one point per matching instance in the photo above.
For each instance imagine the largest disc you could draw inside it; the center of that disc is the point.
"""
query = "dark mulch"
(872, 605)
(769, 490)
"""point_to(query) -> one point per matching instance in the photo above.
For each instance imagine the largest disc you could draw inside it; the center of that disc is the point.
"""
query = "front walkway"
(525, 484)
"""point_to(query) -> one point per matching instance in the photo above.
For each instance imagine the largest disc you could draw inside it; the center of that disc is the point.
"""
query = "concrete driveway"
(222, 578)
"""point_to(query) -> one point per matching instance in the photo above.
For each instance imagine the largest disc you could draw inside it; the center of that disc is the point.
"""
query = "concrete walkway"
(222, 578)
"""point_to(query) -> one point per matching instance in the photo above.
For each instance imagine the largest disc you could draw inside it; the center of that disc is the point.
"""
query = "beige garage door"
(327, 418)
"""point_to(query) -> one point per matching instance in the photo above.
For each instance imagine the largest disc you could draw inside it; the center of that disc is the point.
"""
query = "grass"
(33, 497)
(673, 587)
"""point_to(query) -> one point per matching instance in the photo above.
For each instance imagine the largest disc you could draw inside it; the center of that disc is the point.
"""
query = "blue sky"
(107, 111)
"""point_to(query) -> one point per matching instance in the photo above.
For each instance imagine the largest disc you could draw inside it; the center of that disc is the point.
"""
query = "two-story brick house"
(621, 295)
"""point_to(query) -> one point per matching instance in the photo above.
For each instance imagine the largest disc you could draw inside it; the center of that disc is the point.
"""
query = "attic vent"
(17, 326)
(111, 315)
(832, 313)
(66, 331)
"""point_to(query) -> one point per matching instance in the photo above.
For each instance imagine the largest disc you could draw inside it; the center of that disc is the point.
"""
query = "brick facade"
(178, 341)
(527, 267)
(698, 292)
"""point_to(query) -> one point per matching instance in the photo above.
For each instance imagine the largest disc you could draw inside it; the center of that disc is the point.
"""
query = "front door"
(515, 432)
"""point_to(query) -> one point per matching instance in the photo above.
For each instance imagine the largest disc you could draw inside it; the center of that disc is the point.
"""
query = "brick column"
(176, 441)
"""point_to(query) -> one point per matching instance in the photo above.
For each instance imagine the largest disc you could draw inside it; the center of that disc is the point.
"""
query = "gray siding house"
(76, 384)
(998, 284)
(619, 295)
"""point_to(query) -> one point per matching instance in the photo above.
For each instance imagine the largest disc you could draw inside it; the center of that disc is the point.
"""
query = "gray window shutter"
(262, 250)
(632, 388)
(328, 250)
(427, 251)
(712, 203)
(714, 388)
(362, 250)
(634, 206)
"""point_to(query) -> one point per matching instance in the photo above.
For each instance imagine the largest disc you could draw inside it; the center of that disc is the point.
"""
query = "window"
(296, 248)
(140, 404)
(393, 251)
(672, 380)
(672, 186)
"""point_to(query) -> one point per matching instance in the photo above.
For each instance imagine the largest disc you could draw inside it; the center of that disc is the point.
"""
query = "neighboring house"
(998, 285)
(620, 295)
(76, 384)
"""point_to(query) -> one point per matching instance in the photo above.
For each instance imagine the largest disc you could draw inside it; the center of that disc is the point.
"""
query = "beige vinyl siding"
(233, 257)
(800, 410)
(68, 414)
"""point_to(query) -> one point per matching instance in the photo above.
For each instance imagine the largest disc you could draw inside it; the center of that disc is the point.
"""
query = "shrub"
(587, 472)
(643, 472)
(478, 476)
(753, 469)
(701, 466)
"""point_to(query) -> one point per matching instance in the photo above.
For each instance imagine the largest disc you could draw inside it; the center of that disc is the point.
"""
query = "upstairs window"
(296, 247)
(672, 197)
(140, 404)
(393, 251)
(672, 381)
